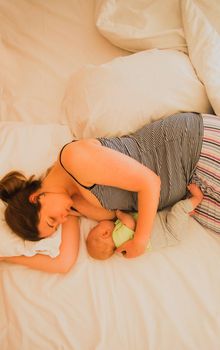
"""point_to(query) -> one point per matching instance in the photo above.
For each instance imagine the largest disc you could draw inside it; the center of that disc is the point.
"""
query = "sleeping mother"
(145, 171)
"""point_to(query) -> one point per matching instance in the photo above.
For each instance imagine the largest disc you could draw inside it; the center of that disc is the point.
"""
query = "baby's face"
(103, 230)
(100, 244)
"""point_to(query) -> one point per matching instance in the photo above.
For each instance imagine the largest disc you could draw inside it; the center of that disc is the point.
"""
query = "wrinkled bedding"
(165, 299)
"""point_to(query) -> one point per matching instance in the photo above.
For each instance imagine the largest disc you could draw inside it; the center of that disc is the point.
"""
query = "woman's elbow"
(66, 265)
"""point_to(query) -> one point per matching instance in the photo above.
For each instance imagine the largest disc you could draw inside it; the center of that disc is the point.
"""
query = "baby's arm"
(126, 219)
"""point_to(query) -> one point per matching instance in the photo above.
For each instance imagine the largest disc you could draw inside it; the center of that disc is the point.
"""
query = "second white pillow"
(122, 95)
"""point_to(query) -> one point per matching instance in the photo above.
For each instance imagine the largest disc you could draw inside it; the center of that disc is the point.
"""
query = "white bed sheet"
(162, 300)
(167, 299)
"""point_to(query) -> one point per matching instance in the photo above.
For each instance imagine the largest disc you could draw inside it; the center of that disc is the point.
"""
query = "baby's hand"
(126, 219)
(118, 213)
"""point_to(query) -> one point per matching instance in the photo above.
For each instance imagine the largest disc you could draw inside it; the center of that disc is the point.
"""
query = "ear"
(106, 233)
(33, 197)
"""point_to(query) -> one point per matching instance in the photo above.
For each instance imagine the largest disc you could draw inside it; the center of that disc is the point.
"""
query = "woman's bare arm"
(90, 162)
(88, 210)
(64, 261)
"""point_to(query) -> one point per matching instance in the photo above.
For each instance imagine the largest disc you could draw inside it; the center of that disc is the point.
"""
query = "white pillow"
(211, 9)
(204, 50)
(30, 148)
(124, 94)
(137, 25)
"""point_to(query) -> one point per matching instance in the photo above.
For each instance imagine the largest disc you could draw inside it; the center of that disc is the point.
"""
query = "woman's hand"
(132, 248)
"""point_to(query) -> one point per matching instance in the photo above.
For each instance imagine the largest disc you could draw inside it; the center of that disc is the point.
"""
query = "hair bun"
(11, 184)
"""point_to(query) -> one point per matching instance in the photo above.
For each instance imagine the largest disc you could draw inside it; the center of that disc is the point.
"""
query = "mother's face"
(55, 209)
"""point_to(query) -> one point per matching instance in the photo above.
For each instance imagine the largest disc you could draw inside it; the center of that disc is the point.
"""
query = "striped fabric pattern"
(170, 147)
(207, 174)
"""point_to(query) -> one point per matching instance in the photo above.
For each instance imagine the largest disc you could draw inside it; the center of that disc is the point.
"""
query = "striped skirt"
(207, 175)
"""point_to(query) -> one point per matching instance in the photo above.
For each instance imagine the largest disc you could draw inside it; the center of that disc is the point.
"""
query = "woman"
(145, 171)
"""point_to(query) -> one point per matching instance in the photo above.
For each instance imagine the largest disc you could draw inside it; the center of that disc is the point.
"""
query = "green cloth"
(122, 233)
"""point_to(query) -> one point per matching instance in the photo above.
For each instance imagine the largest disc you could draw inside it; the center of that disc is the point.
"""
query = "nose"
(63, 218)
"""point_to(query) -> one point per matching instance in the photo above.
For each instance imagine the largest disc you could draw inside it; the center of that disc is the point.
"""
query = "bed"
(95, 68)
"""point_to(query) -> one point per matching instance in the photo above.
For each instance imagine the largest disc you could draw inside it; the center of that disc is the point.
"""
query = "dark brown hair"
(21, 215)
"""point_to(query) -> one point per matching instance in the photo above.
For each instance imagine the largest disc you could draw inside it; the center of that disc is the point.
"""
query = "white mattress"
(167, 299)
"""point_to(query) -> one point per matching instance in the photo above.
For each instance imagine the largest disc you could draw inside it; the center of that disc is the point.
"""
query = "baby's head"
(99, 241)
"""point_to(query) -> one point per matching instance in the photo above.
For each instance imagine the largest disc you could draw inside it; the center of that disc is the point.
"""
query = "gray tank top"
(170, 147)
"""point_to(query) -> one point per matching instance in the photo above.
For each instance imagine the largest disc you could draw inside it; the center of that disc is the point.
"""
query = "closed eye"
(51, 222)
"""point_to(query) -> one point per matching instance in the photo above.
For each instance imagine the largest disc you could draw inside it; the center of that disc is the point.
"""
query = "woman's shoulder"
(81, 143)
(78, 151)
